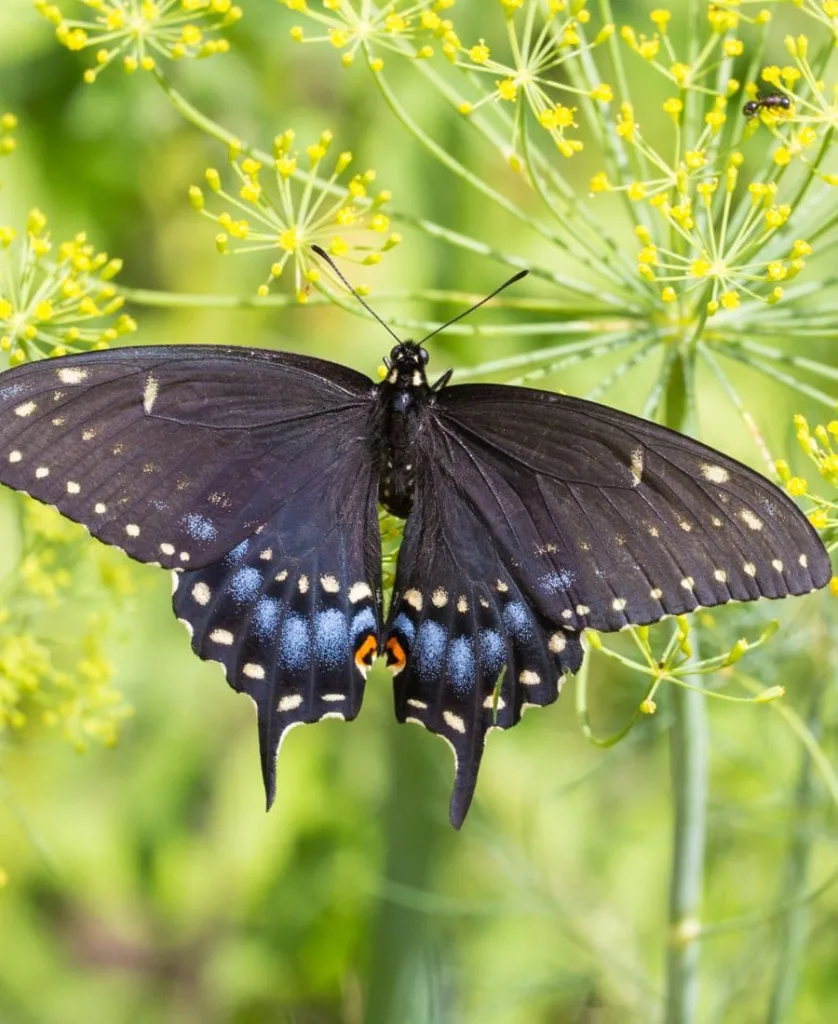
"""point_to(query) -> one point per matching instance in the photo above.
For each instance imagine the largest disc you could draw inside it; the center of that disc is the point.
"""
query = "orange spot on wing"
(396, 658)
(365, 655)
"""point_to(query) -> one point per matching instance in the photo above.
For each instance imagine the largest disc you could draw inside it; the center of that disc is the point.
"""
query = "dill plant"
(683, 250)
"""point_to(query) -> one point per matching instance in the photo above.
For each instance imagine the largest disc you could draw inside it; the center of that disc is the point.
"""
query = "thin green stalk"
(794, 924)
(689, 757)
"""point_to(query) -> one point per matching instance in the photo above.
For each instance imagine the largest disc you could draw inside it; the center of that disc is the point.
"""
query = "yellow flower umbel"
(56, 299)
(299, 208)
(348, 26)
(542, 38)
(138, 32)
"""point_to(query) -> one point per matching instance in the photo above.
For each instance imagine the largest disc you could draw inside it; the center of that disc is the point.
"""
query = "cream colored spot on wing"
(656, 594)
(715, 521)
(15, 456)
(73, 487)
(100, 508)
(750, 568)
(132, 530)
(88, 435)
(330, 584)
(439, 598)
(281, 577)
(582, 609)
(750, 520)
(557, 643)
(302, 584)
(201, 593)
(715, 474)
(358, 592)
(636, 466)
(70, 375)
(167, 549)
(414, 599)
(58, 421)
(453, 721)
(618, 604)
(720, 575)
(150, 392)
(289, 703)
(529, 678)
(414, 703)
(462, 604)
(489, 703)
(332, 698)
(501, 587)
(483, 602)
(688, 583)
(778, 565)
(567, 614)
(253, 671)
(222, 636)
(804, 561)
(26, 409)
(267, 555)
(654, 531)
(41, 472)
(184, 556)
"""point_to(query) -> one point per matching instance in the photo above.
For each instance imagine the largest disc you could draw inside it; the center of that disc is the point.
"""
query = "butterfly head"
(407, 365)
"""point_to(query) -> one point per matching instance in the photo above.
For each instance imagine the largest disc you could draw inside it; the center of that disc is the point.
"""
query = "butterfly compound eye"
(423, 356)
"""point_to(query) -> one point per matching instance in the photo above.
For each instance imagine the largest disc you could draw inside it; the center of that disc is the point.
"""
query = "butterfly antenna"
(477, 305)
(325, 256)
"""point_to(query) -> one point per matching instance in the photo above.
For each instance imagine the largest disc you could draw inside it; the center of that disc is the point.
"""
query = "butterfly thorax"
(403, 401)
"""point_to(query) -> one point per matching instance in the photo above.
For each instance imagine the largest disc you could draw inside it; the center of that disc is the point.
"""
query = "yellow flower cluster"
(138, 32)
(56, 675)
(395, 26)
(299, 208)
(57, 299)
(540, 42)
(8, 143)
(818, 444)
(812, 111)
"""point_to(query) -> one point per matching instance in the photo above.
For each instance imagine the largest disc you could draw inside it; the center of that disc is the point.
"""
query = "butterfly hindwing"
(177, 453)
(615, 521)
(468, 651)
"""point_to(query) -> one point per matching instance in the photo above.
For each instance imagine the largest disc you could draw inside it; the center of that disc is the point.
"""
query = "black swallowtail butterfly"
(256, 476)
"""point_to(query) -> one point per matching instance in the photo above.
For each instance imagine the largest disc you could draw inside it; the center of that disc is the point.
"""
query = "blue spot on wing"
(556, 582)
(266, 618)
(517, 621)
(430, 649)
(199, 527)
(461, 665)
(331, 638)
(492, 651)
(295, 643)
(237, 553)
(363, 621)
(403, 624)
(245, 584)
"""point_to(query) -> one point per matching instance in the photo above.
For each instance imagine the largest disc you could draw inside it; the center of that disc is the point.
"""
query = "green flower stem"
(583, 717)
(461, 241)
(689, 758)
(621, 369)
(733, 352)
(602, 347)
(571, 352)
(793, 927)
(735, 400)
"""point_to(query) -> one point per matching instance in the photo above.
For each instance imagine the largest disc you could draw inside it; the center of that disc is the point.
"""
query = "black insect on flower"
(773, 101)
(530, 516)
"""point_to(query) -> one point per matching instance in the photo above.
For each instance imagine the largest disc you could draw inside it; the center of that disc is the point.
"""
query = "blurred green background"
(146, 883)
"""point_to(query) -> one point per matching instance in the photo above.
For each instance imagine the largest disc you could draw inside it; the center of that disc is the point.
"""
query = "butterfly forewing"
(611, 520)
(174, 454)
